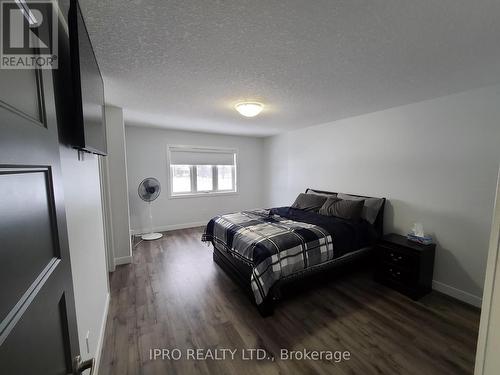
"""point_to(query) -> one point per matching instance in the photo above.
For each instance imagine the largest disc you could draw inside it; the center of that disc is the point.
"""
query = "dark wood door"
(37, 315)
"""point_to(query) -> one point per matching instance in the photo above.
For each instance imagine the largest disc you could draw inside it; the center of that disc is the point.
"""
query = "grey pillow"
(371, 206)
(328, 195)
(309, 202)
(345, 209)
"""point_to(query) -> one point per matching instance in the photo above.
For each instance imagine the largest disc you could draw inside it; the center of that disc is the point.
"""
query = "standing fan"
(149, 189)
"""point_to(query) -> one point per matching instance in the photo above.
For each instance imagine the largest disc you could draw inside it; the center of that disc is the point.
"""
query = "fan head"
(149, 189)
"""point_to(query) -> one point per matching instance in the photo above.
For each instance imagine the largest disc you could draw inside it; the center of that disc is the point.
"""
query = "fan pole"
(150, 218)
(151, 235)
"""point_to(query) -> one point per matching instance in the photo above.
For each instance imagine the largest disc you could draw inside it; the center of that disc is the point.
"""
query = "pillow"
(309, 202)
(309, 191)
(345, 209)
(371, 206)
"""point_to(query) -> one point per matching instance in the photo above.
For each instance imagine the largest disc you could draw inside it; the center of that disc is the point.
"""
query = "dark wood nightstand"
(405, 265)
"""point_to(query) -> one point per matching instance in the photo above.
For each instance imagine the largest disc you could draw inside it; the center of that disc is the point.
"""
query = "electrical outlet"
(87, 342)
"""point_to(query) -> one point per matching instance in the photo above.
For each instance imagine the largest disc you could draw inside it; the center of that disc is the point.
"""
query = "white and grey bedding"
(282, 241)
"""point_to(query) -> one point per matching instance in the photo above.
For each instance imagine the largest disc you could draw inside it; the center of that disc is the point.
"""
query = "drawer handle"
(394, 274)
(395, 257)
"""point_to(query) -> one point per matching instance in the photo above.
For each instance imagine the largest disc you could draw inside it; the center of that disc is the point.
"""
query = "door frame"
(106, 213)
(492, 273)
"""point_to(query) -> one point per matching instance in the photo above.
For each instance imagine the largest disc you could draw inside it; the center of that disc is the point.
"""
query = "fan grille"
(149, 189)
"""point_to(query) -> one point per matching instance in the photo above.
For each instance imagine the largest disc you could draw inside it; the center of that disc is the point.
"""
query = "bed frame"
(241, 272)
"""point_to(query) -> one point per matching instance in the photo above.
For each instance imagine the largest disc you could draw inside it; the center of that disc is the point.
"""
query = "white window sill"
(201, 195)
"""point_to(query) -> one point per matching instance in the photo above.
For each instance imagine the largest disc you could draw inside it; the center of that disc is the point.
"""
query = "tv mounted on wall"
(90, 127)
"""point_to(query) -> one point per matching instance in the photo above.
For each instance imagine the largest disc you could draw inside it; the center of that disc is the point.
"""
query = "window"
(181, 179)
(201, 171)
(225, 177)
(204, 178)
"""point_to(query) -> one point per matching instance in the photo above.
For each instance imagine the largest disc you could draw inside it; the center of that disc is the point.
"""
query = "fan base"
(151, 236)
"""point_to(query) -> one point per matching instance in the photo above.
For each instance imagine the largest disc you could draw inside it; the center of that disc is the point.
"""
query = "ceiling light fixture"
(249, 109)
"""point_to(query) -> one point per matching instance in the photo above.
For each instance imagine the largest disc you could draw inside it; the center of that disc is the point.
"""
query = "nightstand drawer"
(395, 256)
(401, 275)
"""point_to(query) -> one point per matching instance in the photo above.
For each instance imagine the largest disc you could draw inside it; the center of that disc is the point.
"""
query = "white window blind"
(193, 156)
(199, 171)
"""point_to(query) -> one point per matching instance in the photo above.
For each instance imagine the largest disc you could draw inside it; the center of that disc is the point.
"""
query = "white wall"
(436, 161)
(86, 245)
(147, 157)
(116, 172)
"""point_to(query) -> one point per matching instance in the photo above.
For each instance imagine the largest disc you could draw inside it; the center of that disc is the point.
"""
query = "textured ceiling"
(184, 64)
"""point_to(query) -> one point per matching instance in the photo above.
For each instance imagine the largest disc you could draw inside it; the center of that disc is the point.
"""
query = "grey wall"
(86, 245)
(116, 174)
(436, 161)
(147, 156)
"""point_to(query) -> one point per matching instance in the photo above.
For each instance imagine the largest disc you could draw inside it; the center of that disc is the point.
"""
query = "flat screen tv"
(89, 128)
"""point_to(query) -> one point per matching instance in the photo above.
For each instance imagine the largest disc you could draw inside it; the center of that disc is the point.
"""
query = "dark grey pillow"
(309, 202)
(345, 209)
(371, 207)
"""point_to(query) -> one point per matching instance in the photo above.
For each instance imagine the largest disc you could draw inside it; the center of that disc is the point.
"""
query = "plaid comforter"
(272, 245)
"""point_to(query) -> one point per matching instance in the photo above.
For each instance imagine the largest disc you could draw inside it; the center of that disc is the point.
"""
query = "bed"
(265, 250)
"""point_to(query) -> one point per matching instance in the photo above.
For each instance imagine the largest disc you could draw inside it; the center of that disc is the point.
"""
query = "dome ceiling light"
(249, 109)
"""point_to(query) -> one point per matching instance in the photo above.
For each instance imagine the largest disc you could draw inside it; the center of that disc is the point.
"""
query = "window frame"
(193, 174)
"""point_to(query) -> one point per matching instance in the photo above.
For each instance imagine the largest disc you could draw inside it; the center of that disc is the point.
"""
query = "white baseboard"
(100, 342)
(123, 260)
(466, 297)
(166, 228)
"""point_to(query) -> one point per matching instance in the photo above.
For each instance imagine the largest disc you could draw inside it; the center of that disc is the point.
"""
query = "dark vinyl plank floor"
(174, 296)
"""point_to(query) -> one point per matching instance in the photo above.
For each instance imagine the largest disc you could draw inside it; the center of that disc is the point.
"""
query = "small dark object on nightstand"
(404, 265)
